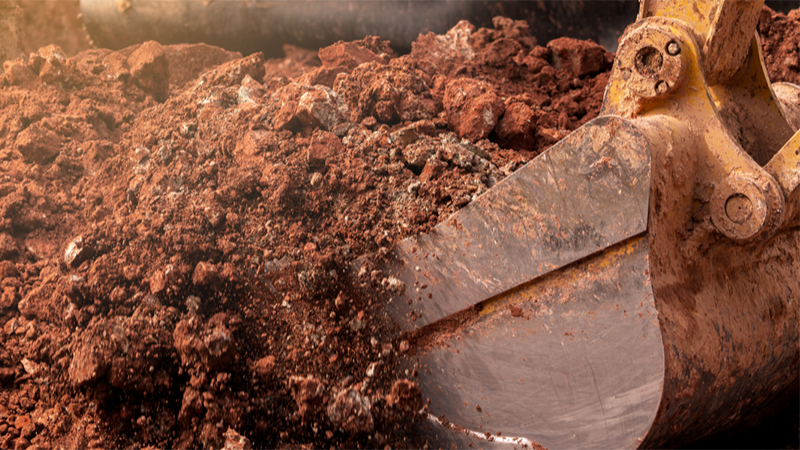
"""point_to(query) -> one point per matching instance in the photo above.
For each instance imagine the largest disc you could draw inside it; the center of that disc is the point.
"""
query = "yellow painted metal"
(723, 28)
(747, 105)
(659, 73)
(716, 121)
(722, 218)
(785, 165)
(697, 14)
(725, 157)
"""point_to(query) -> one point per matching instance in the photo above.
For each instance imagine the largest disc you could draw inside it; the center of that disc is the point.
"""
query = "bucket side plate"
(573, 360)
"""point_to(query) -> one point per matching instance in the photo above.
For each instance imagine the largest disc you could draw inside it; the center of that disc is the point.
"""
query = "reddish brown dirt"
(176, 226)
(176, 247)
(780, 39)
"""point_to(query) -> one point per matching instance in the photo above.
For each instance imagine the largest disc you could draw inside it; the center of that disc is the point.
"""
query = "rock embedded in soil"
(307, 106)
(324, 145)
(235, 441)
(150, 69)
(446, 51)
(264, 368)
(91, 356)
(579, 57)
(49, 64)
(309, 395)
(406, 397)
(42, 302)
(473, 108)
(500, 52)
(188, 61)
(205, 274)
(9, 248)
(347, 55)
(207, 344)
(517, 128)
(17, 72)
(191, 406)
(38, 144)
(351, 411)
(390, 93)
(166, 281)
(77, 252)
(517, 31)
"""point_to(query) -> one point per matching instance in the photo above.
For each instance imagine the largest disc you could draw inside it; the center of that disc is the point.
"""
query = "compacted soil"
(177, 224)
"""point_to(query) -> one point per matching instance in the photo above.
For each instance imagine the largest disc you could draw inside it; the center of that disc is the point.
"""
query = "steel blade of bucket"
(586, 193)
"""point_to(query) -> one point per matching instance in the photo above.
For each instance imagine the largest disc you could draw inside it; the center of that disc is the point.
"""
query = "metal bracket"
(660, 72)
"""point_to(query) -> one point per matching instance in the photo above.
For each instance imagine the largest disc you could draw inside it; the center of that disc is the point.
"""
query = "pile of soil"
(177, 223)
(780, 40)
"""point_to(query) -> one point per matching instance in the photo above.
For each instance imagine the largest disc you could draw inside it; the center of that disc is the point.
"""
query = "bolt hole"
(648, 61)
(738, 208)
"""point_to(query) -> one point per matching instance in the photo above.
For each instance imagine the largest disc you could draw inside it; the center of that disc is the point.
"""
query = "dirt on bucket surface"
(177, 223)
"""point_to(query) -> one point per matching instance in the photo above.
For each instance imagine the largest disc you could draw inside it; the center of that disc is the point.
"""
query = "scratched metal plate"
(581, 367)
(586, 193)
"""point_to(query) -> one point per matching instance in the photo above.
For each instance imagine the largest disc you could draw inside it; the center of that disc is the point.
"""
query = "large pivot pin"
(740, 208)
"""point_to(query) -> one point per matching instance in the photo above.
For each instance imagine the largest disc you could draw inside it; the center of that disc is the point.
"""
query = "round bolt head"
(744, 207)
(673, 48)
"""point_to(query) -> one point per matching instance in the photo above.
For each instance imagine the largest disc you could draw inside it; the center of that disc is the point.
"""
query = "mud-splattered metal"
(638, 284)
(590, 191)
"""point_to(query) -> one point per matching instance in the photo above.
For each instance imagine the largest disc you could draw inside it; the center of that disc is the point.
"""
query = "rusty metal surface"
(746, 104)
(725, 255)
(785, 165)
(578, 365)
(731, 328)
(586, 193)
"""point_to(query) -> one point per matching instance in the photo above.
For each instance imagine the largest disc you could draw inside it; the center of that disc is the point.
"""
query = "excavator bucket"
(637, 284)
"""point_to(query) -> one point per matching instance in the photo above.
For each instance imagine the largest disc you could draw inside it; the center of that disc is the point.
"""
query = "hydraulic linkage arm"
(703, 61)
